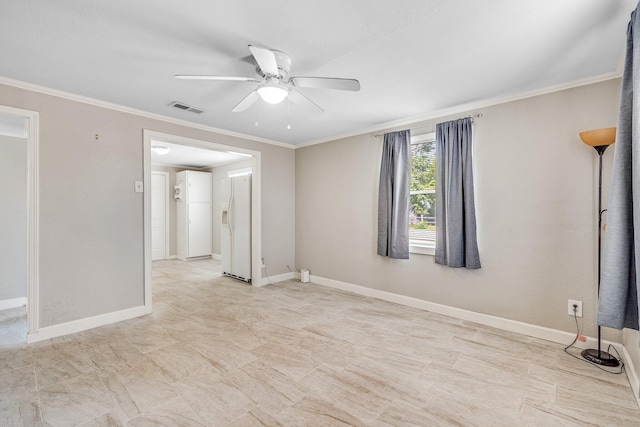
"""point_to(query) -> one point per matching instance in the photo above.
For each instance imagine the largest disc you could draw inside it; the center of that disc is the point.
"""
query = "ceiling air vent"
(185, 107)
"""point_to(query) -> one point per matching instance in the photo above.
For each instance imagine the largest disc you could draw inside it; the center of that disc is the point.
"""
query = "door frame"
(167, 212)
(33, 215)
(256, 203)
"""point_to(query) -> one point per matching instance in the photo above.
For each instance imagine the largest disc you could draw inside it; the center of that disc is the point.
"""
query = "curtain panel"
(618, 295)
(456, 243)
(393, 196)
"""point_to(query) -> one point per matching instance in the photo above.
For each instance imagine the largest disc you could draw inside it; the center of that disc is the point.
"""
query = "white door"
(199, 187)
(199, 229)
(159, 217)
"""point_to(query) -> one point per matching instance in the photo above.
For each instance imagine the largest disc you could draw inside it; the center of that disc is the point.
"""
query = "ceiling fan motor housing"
(284, 63)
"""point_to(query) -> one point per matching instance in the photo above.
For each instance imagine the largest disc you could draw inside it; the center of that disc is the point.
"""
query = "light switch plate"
(139, 186)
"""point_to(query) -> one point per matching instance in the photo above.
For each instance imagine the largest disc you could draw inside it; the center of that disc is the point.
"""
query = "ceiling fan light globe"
(272, 94)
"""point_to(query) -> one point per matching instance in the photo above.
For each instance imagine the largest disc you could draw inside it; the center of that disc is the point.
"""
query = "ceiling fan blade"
(266, 60)
(299, 98)
(326, 83)
(246, 102)
(205, 77)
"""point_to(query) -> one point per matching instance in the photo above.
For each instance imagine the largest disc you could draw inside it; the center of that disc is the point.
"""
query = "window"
(422, 195)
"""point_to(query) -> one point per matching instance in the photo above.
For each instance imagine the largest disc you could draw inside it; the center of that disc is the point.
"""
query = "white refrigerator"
(236, 227)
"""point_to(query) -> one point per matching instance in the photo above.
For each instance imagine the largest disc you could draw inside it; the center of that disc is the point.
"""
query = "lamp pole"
(592, 355)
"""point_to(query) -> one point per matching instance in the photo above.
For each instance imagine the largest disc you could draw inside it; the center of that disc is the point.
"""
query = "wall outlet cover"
(578, 309)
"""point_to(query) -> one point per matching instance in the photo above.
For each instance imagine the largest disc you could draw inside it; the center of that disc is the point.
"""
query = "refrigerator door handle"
(229, 206)
(225, 215)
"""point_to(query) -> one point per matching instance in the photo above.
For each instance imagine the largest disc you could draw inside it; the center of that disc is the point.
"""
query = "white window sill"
(422, 249)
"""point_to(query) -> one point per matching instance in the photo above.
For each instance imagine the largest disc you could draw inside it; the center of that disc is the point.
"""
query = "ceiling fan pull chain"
(256, 124)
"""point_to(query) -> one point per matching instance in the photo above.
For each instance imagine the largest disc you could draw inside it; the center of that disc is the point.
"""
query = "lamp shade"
(599, 137)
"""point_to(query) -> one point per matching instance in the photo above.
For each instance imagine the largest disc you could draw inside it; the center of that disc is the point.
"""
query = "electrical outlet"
(570, 305)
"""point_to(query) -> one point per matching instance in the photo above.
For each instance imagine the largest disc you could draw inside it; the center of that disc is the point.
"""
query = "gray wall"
(91, 220)
(13, 217)
(536, 211)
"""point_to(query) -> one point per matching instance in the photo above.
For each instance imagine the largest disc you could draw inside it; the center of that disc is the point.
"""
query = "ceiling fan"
(274, 83)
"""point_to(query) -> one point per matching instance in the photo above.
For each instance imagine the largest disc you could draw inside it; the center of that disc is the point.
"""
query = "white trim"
(256, 219)
(256, 198)
(33, 213)
(146, 221)
(277, 278)
(216, 257)
(239, 172)
(167, 221)
(103, 104)
(6, 304)
(464, 108)
(422, 249)
(85, 324)
(423, 137)
(385, 126)
(535, 331)
(631, 370)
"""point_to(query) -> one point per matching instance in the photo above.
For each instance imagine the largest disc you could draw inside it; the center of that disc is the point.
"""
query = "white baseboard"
(172, 257)
(631, 371)
(274, 279)
(6, 304)
(535, 331)
(85, 324)
(631, 340)
(217, 257)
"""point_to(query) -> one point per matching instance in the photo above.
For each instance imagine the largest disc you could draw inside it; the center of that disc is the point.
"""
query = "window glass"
(422, 198)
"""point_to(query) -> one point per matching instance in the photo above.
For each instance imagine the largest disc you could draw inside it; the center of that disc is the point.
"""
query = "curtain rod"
(478, 115)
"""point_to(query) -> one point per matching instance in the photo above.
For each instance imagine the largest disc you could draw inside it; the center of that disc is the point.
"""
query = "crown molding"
(465, 108)
(387, 126)
(121, 108)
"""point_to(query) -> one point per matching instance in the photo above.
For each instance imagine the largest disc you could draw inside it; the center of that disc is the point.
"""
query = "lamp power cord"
(611, 347)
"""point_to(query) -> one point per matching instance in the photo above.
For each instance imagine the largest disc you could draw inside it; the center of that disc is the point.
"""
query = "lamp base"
(600, 357)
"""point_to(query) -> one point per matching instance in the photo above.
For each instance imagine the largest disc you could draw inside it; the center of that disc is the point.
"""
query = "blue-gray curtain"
(618, 301)
(393, 198)
(456, 244)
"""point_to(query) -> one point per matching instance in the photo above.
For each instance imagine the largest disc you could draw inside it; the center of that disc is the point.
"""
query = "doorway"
(19, 223)
(171, 154)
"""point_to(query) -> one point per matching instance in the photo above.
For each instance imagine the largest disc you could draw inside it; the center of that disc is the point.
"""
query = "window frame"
(414, 247)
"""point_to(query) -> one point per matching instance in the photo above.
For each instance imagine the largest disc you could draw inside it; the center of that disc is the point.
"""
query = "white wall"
(536, 211)
(91, 220)
(13, 217)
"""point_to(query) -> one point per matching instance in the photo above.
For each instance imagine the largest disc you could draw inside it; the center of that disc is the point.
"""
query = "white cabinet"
(193, 212)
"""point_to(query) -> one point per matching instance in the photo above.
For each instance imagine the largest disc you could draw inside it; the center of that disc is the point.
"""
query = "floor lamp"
(600, 140)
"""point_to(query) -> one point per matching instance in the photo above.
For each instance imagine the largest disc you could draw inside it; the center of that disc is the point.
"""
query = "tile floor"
(218, 352)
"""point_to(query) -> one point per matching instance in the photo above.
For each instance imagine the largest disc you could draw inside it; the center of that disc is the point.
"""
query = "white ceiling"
(413, 57)
(193, 157)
